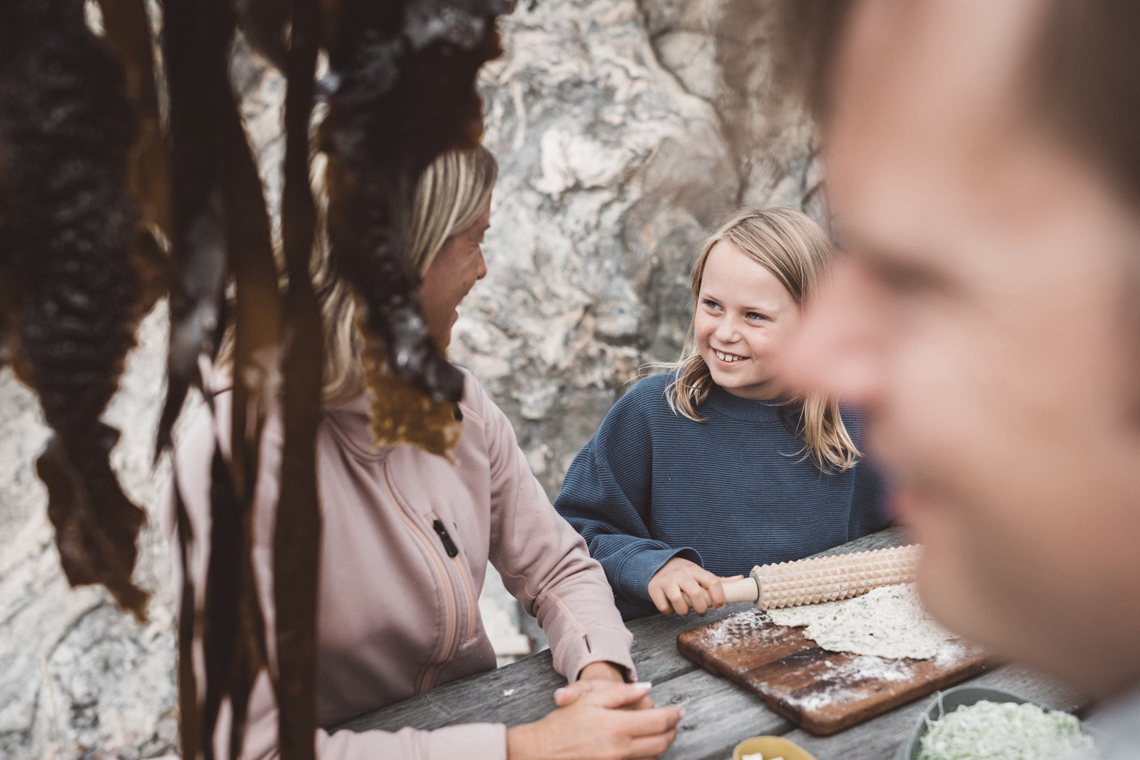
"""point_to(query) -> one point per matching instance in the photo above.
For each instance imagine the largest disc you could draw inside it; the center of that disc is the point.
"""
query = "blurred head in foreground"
(984, 177)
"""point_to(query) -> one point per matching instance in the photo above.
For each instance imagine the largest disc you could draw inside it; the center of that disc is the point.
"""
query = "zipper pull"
(448, 545)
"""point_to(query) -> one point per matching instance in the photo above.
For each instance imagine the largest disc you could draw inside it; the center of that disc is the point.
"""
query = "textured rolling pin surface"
(826, 579)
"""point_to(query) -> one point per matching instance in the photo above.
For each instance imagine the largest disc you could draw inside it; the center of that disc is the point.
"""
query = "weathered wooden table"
(718, 713)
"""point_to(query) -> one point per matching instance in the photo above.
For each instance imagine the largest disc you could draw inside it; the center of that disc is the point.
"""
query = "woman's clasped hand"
(599, 719)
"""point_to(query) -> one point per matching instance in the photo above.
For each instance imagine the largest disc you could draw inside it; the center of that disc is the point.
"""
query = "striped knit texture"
(730, 493)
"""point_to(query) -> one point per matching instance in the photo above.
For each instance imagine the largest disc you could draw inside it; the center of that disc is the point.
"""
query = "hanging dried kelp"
(73, 296)
(195, 49)
(402, 414)
(220, 226)
(127, 33)
(297, 539)
(255, 377)
(85, 207)
(404, 92)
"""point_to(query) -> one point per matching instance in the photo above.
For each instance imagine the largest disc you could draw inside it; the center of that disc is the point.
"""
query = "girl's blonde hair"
(790, 245)
(450, 196)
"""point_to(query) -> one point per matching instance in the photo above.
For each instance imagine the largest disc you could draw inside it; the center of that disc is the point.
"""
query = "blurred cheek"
(833, 349)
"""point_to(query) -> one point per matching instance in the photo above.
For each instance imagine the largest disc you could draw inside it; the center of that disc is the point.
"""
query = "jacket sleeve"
(477, 741)
(607, 497)
(192, 461)
(544, 562)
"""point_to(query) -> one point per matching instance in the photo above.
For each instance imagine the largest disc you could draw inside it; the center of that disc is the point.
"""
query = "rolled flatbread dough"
(887, 622)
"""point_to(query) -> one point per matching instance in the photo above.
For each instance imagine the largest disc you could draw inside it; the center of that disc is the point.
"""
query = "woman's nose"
(838, 349)
(481, 270)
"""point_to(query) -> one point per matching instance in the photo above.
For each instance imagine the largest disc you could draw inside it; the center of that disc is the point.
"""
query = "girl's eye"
(755, 316)
(711, 304)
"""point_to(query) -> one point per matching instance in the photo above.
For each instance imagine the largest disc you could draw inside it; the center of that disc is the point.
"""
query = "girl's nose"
(839, 347)
(726, 330)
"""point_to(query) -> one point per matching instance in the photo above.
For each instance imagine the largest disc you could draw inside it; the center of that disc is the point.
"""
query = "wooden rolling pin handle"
(741, 591)
(734, 591)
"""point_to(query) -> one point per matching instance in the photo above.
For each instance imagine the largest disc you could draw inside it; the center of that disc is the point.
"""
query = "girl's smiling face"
(743, 323)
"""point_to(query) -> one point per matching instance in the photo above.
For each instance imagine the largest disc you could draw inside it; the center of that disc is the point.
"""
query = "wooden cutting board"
(820, 691)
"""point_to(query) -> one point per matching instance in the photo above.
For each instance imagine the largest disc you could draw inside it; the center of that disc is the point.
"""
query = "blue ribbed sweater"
(733, 492)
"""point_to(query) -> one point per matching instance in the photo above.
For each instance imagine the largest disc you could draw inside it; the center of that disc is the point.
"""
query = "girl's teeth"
(727, 357)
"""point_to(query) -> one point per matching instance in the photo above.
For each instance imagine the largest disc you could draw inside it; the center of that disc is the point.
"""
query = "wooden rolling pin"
(822, 579)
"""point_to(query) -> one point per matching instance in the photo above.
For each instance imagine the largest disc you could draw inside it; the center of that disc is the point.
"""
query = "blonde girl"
(700, 473)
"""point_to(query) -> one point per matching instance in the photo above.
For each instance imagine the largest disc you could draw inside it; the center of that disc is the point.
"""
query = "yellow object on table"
(770, 748)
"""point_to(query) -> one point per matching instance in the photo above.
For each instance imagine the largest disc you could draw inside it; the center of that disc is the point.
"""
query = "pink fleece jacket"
(398, 614)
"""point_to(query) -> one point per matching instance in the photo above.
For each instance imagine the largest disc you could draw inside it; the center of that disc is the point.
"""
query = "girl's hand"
(594, 727)
(680, 578)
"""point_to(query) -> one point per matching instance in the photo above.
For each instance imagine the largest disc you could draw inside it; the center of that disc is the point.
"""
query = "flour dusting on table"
(887, 622)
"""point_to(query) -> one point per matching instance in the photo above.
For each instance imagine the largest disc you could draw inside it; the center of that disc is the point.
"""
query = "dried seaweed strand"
(65, 132)
(256, 378)
(257, 303)
(264, 22)
(10, 28)
(128, 35)
(407, 93)
(223, 595)
(195, 49)
(402, 414)
(219, 209)
(297, 538)
(9, 341)
(187, 686)
(370, 174)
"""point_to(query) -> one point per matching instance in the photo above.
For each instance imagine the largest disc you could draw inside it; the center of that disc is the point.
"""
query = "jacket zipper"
(448, 545)
(453, 552)
(452, 614)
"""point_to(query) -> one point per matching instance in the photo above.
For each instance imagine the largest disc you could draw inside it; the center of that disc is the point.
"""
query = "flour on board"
(887, 622)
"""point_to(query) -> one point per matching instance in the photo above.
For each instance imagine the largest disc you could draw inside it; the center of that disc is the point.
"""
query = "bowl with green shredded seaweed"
(975, 723)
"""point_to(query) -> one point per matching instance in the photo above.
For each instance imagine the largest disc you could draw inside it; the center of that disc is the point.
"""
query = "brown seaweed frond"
(402, 414)
(220, 227)
(66, 129)
(297, 533)
(404, 93)
(128, 35)
(195, 51)
(265, 24)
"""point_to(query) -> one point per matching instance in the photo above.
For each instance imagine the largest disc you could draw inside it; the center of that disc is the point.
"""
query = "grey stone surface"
(626, 130)
(76, 673)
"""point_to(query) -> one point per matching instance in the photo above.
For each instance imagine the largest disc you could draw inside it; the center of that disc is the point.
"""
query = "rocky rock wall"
(626, 130)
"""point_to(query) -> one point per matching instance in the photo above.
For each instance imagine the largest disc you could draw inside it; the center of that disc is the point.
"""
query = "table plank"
(718, 715)
(879, 738)
(517, 693)
(883, 539)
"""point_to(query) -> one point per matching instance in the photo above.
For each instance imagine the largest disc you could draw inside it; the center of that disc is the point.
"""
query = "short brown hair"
(1083, 72)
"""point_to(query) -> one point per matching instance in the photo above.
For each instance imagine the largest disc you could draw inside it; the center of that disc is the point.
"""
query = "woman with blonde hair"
(698, 474)
(407, 536)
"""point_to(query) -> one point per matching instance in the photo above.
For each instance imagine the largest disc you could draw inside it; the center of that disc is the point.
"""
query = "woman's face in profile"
(452, 273)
